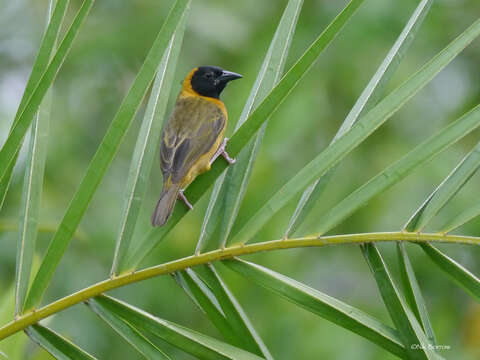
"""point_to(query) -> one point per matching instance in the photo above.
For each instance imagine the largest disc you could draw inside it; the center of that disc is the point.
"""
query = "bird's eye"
(209, 75)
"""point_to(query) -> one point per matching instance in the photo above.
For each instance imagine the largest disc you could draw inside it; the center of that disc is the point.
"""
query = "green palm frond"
(407, 327)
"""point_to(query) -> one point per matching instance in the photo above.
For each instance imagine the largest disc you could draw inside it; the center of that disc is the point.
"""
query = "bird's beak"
(229, 76)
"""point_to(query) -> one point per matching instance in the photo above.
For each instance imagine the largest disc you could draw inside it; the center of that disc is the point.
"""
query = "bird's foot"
(182, 197)
(221, 151)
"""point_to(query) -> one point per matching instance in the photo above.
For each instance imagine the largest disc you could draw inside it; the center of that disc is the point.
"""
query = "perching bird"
(193, 136)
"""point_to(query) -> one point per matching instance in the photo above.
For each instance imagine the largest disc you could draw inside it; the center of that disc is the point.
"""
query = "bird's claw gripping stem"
(221, 151)
(182, 197)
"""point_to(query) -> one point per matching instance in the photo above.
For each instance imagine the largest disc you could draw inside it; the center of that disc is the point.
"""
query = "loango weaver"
(193, 136)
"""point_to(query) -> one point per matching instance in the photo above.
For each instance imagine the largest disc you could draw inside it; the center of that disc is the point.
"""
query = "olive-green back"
(190, 132)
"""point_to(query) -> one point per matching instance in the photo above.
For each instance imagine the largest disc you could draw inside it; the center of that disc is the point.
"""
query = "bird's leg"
(221, 151)
(182, 196)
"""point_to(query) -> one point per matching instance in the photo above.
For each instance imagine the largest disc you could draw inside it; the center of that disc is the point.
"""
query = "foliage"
(238, 220)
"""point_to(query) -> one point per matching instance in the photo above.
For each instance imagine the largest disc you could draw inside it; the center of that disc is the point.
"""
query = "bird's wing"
(191, 131)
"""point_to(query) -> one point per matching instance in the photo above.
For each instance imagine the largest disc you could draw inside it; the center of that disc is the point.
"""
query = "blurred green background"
(235, 35)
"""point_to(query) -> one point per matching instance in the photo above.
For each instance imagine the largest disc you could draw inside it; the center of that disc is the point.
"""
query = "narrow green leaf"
(411, 333)
(8, 153)
(209, 305)
(401, 168)
(55, 17)
(104, 155)
(146, 146)
(413, 293)
(199, 345)
(235, 314)
(139, 342)
(56, 345)
(290, 79)
(212, 216)
(246, 132)
(440, 196)
(359, 132)
(180, 280)
(47, 47)
(226, 207)
(31, 197)
(5, 181)
(445, 191)
(462, 218)
(223, 310)
(323, 305)
(464, 278)
(368, 98)
(237, 177)
(307, 201)
(216, 301)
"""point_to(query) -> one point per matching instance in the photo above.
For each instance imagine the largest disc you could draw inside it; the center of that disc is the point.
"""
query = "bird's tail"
(165, 205)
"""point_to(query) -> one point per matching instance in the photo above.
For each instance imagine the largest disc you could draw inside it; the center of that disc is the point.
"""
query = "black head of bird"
(211, 80)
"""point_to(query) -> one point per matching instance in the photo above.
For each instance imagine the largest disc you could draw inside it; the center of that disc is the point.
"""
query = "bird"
(193, 136)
